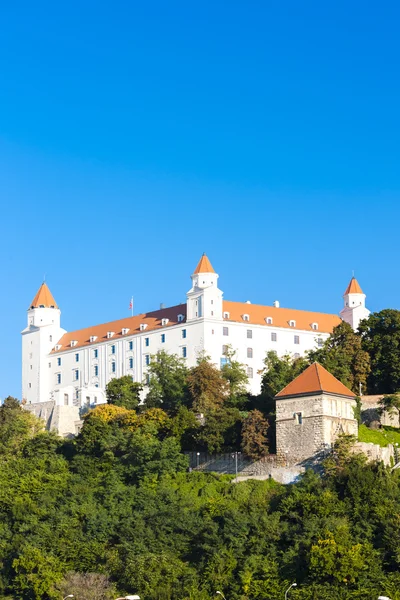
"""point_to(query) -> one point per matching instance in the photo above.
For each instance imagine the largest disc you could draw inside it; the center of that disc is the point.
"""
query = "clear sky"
(136, 135)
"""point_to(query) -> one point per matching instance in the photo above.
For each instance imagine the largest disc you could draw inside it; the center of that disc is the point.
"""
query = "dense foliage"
(116, 511)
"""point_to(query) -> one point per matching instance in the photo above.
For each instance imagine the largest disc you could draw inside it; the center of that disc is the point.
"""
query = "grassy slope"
(382, 437)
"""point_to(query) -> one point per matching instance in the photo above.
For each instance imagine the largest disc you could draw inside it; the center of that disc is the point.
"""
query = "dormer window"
(58, 346)
(246, 317)
(93, 338)
(226, 315)
(269, 320)
(164, 322)
(41, 305)
(110, 334)
(73, 343)
(292, 323)
(180, 318)
(125, 330)
(314, 326)
(143, 326)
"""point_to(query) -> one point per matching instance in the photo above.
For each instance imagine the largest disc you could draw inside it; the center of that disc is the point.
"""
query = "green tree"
(16, 425)
(343, 356)
(254, 435)
(391, 405)
(123, 391)
(235, 374)
(167, 386)
(278, 372)
(36, 573)
(220, 431)
(380, 335)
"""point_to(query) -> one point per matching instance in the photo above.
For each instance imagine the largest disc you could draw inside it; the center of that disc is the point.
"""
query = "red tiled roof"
(281, 316)
(204, 266)
(315, 379)
(153, 320)
(353, 287)
(44, 297)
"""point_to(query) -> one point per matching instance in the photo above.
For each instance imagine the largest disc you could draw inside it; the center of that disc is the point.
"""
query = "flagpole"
(132, 306)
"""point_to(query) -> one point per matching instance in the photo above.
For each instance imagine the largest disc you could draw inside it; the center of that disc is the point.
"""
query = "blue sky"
(136, 135)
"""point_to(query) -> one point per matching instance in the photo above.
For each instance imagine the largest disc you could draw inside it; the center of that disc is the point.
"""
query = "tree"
(343, 356)
(167, 382)
(254, 435)
(278, 372)
(380, 335)
(235, 374)
(124, 392)
(36, 573)
(208, 388)
(16, 425)
(221, 430)
(391, 405)
(87, 586)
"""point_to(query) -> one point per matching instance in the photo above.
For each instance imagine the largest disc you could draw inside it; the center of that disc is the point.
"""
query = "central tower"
(204, 299)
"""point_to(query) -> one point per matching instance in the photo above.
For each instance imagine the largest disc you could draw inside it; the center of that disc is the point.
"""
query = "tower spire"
(44, 298)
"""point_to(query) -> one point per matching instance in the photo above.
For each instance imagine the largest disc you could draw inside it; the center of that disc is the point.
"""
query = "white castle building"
(73, 368)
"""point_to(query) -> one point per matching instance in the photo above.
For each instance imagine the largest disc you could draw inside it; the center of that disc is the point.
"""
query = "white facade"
(74, 368)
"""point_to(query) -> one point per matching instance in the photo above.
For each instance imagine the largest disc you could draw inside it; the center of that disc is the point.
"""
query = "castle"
(73, 368)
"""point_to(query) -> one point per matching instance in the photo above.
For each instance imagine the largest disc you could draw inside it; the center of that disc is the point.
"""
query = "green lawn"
(382, 437)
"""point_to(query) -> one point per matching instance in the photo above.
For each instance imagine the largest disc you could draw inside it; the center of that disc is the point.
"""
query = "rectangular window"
(112, 349)
(59, 362)
(113, 367)
(131, 363)
(96, 353)
(298, 418)
(297, 339)
(76, 357)
(249, 352)
(96, 371)
(76, 374)
(250, 372)
(273, 336)
(58, 377)
(224, 349)
(184, 352)
(146, 341)
(147, 359)
(183, 333)
(225, 331)
(320, 342)
(249, 334)
(147, 379)
(130, 345)
(163, 338)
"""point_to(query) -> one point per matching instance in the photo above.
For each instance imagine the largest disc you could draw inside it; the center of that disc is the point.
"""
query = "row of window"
(274, 338)
(269, 321)
(113, 366)
(130, 346)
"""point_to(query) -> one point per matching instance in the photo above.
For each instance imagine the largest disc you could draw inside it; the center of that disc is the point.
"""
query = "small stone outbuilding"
(310, 413)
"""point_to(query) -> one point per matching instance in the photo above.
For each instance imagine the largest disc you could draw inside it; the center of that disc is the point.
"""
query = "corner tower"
(310, 413)
(204, 299)
(38, 339)
(354, 309)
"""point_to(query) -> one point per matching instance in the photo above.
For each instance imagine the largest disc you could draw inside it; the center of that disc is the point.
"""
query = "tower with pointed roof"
(310, 413)
(354, 310)
(38, 339)
(204, 299)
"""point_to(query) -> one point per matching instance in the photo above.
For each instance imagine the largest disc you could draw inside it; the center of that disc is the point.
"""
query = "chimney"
(162, 306)
(276, 303)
